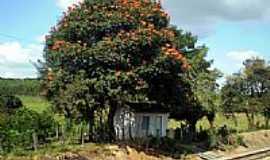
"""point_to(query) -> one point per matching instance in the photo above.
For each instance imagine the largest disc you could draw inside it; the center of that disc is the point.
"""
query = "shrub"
(17, 132)
(10, 102)
(222, 136)
(163, 144)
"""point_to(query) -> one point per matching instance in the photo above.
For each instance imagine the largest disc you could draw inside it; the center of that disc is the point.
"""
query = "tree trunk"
(192, 130)
(211, 124)
(250, 122)
(253, 120)
(68, 119)
(211, 119)
(235, 120)
(112, 134)
(193, 127)
(267, 123)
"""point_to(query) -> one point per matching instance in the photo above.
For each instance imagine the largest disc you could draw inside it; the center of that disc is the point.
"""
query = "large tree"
(106, 54)
(248, 90)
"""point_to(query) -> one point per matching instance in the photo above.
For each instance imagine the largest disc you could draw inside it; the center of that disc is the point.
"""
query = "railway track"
(251, 155)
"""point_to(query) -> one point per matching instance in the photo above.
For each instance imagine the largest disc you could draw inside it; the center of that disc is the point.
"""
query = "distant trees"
(248, 91)
(29, 87)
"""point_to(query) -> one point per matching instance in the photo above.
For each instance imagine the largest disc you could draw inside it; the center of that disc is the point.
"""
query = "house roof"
(148, 107)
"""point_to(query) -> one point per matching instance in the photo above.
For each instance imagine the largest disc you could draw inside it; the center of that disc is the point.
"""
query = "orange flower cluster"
(150, 28)
(169, 34)
(57, 44)
(172, 52)
(164, 14)
(148, 32)
(133, 35)
(136, 35)
(132, 3)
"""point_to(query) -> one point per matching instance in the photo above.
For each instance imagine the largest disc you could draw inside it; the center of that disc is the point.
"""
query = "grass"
(240, 125)
(36, 103)
(39, 104)
(221, 120)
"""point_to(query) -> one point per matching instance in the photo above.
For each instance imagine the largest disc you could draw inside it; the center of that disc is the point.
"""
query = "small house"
(140, 121)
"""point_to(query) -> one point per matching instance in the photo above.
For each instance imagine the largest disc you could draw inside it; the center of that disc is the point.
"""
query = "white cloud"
(63, 4)
(41, 38)
(9, 75)
(201, 17)
(242, 55)
(16, 59)
(14, 52)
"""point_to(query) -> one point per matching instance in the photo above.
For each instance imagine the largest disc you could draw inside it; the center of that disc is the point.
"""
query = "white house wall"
(152, 124)
(124, 123)
(129, 125)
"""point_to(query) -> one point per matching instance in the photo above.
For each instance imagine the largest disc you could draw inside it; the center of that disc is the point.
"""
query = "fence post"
(57, 131)
(35, 141)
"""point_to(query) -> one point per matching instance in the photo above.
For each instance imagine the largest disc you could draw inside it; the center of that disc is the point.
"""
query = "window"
(145, 123)
(159, 126)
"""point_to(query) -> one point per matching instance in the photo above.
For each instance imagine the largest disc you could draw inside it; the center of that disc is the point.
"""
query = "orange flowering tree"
(106, 54)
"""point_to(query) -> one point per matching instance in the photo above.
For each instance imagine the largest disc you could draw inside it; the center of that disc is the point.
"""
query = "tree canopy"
(105, 54)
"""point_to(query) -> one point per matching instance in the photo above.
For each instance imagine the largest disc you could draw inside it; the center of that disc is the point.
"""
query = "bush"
(212, 138)
(222, 136)
(17, 132)
(10, 102)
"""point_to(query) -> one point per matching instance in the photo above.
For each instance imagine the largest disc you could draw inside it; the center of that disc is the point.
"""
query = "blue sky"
(233, 30)
(231, 43)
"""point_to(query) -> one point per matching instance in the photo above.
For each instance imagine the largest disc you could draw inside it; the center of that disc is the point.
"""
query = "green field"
(36, 103)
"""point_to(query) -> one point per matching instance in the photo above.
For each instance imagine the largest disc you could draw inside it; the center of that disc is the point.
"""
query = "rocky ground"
(96, 152)
(252, 141)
